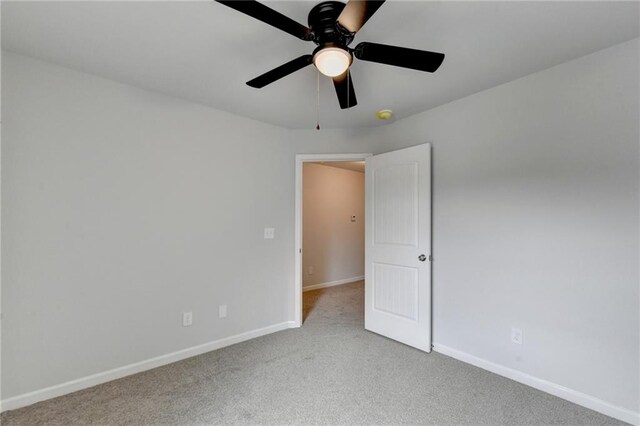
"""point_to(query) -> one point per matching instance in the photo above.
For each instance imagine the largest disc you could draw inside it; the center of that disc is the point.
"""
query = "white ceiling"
(205, 52)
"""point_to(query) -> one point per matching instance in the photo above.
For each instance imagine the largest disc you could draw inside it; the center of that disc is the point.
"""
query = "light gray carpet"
(330, 371)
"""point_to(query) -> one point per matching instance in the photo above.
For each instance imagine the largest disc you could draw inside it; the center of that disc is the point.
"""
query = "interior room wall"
(536, 223)
(333, 245)
(123, 208)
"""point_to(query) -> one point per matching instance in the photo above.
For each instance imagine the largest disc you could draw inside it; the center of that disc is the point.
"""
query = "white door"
(398, 246)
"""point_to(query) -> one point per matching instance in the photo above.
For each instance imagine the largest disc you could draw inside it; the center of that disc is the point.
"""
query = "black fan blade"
(281, 71)
(356, 13)
(344, 89)
(420, 60)
(269, 16)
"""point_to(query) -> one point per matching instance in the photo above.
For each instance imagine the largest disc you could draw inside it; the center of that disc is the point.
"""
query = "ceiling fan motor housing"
(323, 21)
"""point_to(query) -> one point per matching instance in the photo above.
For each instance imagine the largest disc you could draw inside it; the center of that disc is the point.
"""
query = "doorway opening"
(397, 287)
(330, 243)
(332, 237)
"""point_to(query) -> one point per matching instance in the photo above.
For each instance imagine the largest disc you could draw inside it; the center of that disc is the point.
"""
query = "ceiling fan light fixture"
(332, 61)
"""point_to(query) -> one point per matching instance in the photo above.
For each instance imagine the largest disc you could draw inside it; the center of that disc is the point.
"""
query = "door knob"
(422, 258)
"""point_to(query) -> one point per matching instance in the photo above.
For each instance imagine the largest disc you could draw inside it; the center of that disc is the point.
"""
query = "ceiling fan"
(332, 26)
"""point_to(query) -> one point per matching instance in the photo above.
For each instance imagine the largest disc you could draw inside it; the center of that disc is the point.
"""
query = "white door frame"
(300, 160)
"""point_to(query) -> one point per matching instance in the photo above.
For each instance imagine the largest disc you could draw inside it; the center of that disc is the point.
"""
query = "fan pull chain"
(348, 87)
(318, 103)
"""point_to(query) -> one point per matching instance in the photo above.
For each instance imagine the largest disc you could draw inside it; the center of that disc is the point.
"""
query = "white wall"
(123, 208)
(332, 244)
(535, 222)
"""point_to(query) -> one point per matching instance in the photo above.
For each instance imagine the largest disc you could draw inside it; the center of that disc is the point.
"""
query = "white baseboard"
(332, 283)
(571, 395)
(127, 370)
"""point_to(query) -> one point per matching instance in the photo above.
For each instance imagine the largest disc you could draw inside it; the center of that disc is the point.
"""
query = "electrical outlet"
(353, 218)
(187, 319)
(269, 233)
(222, 311)
(310, 270)
(516, 335)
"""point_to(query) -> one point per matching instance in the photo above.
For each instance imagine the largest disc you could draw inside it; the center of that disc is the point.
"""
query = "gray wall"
(122, 208)
(535, 223)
